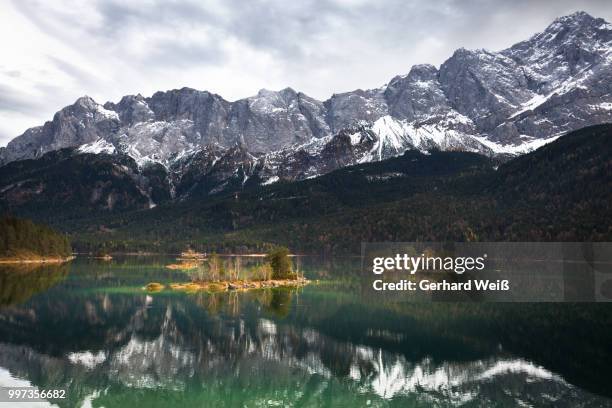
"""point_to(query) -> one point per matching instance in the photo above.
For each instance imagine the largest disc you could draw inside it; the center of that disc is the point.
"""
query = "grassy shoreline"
(223, 286)
(36, 260)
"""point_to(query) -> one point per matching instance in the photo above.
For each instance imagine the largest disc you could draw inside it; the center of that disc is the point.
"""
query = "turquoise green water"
(89, 327)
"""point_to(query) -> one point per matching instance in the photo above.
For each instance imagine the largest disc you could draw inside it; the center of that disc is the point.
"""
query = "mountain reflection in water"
(97, 334)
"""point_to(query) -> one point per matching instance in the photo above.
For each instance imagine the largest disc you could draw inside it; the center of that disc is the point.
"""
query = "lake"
(90, 328)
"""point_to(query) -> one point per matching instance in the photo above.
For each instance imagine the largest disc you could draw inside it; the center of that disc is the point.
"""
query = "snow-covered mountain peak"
(570, 45)
(267, 101)
(492, 102)
(579, 30)
(423, 72)
(86, 102)
(575, 19)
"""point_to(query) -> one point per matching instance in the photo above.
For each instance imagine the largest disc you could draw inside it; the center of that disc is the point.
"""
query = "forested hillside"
(22, 239)
(561, 192)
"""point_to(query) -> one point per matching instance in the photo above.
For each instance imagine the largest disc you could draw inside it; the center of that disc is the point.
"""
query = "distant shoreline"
(174, 254)
(41, 260)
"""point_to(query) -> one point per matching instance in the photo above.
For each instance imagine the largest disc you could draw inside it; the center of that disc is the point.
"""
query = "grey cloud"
(318, 46)
(13, 73)
(181, 54)
(117, 15)
(11, 100)
(77, 74)
(287, 29)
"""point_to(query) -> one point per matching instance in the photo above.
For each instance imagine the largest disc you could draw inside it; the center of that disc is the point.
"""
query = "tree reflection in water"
(19, 282)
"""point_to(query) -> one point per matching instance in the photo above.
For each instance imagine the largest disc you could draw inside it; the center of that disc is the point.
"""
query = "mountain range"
(483, 148)
(560, 192)
(500, 104)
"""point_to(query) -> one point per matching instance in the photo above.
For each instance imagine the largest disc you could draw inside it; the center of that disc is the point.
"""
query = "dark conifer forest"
(23, 239)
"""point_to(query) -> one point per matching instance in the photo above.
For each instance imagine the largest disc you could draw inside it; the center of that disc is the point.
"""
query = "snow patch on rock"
(97, 147)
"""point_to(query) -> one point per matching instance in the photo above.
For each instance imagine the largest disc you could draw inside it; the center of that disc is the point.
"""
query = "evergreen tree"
(280, 262)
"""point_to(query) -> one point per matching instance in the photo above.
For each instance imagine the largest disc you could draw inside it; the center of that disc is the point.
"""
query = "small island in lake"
(103, 256)
(222, 275)
(22, 241)
(188, 260)
(191, 254)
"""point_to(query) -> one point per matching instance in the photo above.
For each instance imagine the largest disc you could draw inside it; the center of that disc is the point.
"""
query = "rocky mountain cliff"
(496, 103)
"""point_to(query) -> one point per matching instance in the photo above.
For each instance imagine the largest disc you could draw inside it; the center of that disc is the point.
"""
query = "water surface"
(89, 327)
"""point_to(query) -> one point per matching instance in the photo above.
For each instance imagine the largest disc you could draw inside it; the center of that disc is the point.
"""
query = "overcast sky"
(52, 52)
